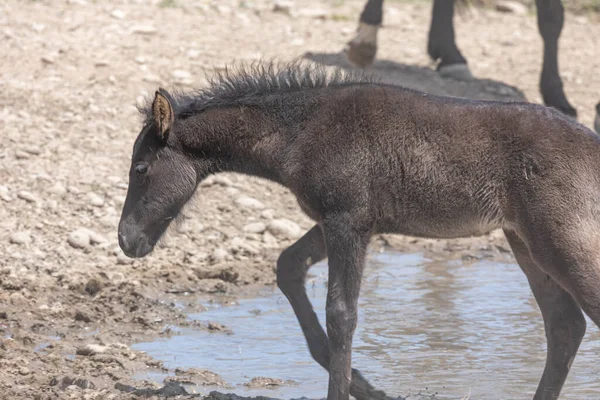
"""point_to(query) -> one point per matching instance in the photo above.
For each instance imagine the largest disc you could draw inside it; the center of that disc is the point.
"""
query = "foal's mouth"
(141, 248)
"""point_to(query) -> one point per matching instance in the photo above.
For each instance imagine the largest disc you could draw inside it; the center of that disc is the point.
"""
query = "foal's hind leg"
(563, 319)
(292, 266)
(362, 48)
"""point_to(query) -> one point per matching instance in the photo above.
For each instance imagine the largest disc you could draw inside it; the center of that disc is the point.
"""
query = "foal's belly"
(441, 225)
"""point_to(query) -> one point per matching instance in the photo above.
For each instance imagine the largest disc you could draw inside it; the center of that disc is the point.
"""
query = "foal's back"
(441, 167)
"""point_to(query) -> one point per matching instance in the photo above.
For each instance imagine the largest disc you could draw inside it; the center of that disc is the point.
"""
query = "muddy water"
(445, 328)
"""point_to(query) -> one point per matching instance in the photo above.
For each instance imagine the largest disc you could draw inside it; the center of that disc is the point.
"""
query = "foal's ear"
(162, 113)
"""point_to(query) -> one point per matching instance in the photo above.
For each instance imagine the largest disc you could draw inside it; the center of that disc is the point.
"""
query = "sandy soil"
(70, 302)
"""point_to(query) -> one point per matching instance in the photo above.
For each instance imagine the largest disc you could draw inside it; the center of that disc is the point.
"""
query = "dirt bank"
(72, 73)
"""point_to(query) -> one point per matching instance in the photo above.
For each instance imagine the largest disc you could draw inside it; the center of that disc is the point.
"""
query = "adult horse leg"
(550, 23)
(362, 48)
(442, 44)
(292, 266)
(563, 320)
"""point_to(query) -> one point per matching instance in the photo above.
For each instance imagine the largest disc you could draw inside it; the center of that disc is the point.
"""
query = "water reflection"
(452, 328)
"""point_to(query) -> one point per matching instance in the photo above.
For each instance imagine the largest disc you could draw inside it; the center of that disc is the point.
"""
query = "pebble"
(283, 6)
(219, 255)
(255, 227)
(79, 238)
(249, 202)
(118, 14)
(20, 238)
(24, 371)
(181, 74)
(4, 193)
(21, 155)
(96, 238)
(222, 180)
(91, 349)
(144, 30)
(122, 259)
(269, 240)
(27, 196)
(511, 7)
(96, 200)
(58, 189)
(284, 228)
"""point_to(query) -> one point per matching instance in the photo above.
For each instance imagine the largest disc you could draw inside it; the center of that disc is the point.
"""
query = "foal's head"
(161, 180)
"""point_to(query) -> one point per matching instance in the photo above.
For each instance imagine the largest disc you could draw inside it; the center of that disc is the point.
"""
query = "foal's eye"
(141, 169)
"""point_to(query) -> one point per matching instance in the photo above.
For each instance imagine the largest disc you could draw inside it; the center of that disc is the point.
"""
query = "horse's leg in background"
(292, 266)
(551, 16)
(563, 320)
(442, 44)
(362, 48)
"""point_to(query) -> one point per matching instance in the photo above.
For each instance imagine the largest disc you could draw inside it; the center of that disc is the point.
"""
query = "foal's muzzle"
(133, 242)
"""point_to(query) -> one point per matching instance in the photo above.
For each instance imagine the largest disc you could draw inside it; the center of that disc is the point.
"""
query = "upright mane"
(245, 84)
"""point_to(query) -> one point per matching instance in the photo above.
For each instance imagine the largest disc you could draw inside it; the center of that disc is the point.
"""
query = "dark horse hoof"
(597, 120)
(460, 72)
(361, 389)
(361, 50)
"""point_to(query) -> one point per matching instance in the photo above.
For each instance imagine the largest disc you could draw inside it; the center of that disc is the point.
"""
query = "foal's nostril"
(123, 241)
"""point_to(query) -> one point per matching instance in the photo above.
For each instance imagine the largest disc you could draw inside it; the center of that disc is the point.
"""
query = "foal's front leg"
(292, 266)
(346, 248)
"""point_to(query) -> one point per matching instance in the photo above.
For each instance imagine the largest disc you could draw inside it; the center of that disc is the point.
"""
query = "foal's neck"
(243, 139)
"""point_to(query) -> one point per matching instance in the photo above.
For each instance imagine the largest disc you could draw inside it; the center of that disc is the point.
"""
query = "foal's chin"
(142, 249)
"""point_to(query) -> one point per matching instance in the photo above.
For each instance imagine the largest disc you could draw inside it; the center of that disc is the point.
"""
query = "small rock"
(192, 53)
(511, 7)
(79, 238)
(33, 150)
(96, 238)
(81, 316)
(144, 30)
(218, 255)
(261, 382)
(268, 214)
(122, 259)
(96, 200)
(118, 14)
(24, 371)
(21, 155)
(4, 193)
(284, 228)
(215, 326)
(21, 238)
(269, 240)
(181, 74)
(255, 227)
(223, 180)
(27, 196)
(58, 189)
(284, 7)
(239, 245)
(249, 202)
(317, 13)
(140, 59)
(91, 349)
(93, 286)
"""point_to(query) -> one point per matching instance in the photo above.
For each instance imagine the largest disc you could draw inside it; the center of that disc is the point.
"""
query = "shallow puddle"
(445, 328)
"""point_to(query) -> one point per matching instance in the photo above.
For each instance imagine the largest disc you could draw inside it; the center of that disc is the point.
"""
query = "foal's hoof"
(362, 49)
(597, 120)
(361, 389)
(460, 72)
